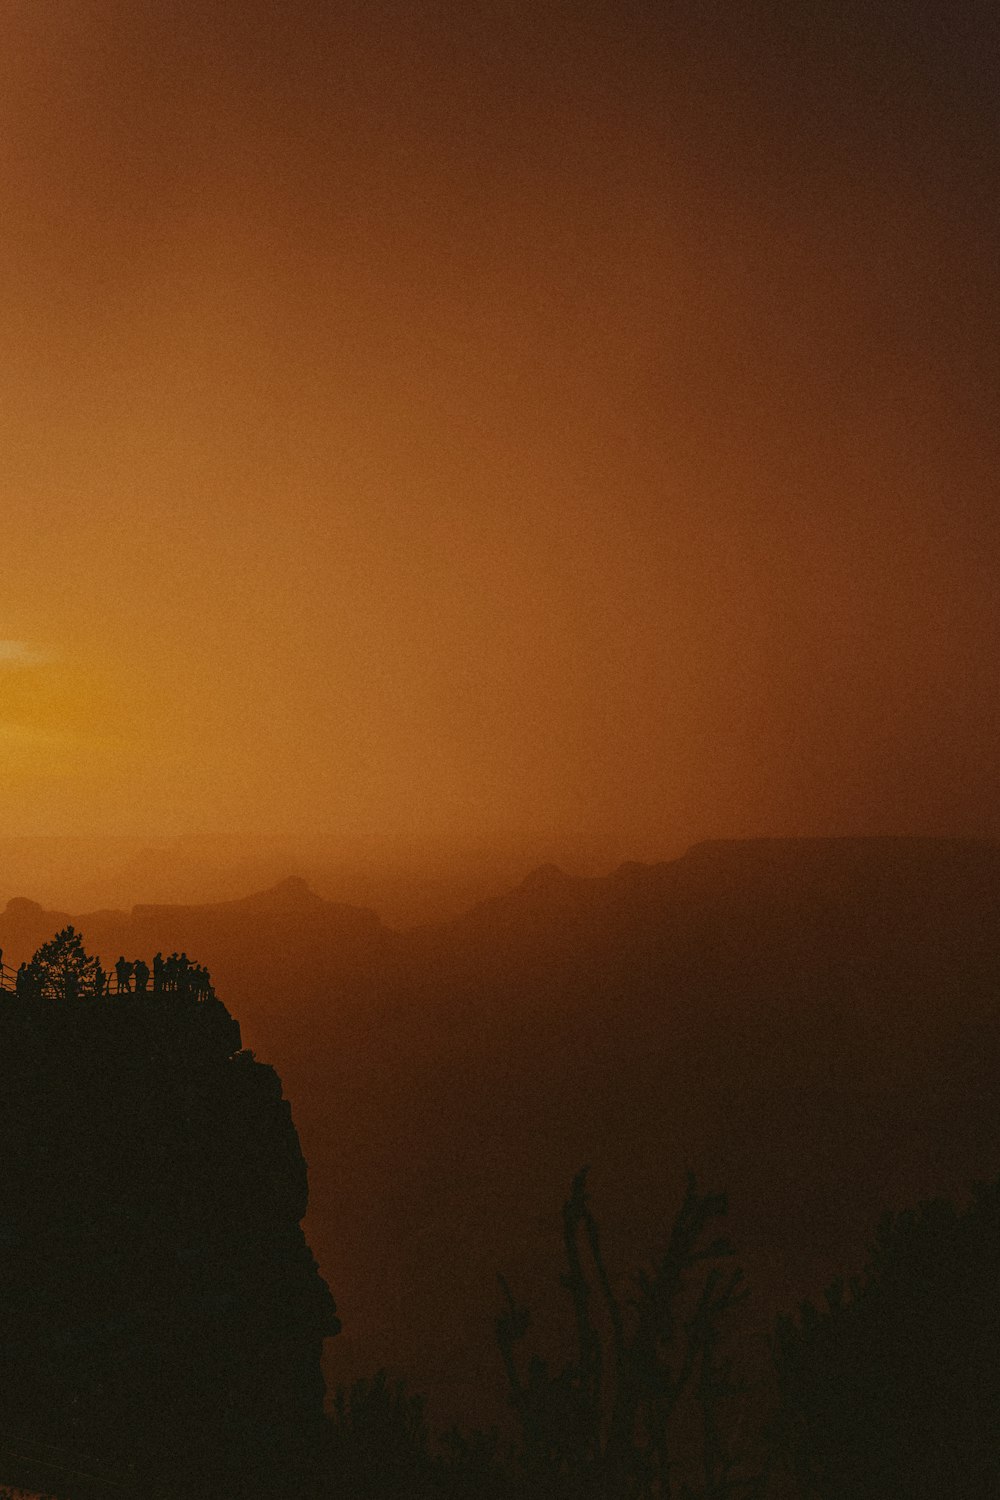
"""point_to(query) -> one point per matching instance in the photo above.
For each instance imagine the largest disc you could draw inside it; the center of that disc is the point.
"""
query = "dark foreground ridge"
(163, 1317)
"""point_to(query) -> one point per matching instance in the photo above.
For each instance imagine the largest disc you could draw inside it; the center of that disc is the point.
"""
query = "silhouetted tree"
(893, 1386)
(66, 970)
(645, 1406)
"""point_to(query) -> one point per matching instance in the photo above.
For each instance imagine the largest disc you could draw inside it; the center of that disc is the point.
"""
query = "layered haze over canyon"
(406, 880)
(809, 1024)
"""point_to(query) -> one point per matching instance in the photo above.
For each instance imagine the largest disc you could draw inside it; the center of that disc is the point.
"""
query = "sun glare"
(55, 719)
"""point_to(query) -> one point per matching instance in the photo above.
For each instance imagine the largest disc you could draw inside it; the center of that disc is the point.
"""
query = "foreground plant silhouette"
(644, 1409)
(646, 1405)
(892, 1387)
(380, 1448)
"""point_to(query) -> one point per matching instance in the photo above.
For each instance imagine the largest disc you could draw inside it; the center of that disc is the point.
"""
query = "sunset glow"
(499, 704)
(408, 432)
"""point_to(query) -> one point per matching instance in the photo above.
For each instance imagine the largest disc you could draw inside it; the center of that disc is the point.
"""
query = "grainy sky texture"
(525, 417)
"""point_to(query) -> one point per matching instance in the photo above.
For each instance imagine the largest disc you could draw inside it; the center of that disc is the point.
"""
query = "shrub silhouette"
(380, 1448)
(645, 1406)
(380, 1443)
(892, 1387)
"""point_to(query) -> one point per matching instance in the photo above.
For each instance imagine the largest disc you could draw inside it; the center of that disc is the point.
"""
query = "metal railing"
(191, 983)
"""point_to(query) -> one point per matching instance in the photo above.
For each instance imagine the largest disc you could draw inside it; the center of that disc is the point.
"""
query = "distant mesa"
(872, 846)
(286, 905)
(547, 890)
(30, 921)
(20, 906)
(291, 894)
(546, 893)
(548, 877)
(840, 860)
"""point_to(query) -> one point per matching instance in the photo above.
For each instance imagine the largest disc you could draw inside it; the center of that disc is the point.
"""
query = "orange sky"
(455, 418)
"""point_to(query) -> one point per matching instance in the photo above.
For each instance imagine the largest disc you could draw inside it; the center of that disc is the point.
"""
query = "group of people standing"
(175, 975)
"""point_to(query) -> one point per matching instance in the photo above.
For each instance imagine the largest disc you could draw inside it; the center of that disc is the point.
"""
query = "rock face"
(160, 1311)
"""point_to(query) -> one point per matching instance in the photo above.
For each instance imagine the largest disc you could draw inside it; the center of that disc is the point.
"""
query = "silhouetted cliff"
(161, 1315)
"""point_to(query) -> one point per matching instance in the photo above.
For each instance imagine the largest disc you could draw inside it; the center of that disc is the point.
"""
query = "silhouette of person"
(123, 974)
(141, 976)
(183, 966)
(157, 973)
(22, 984)
(100, 979)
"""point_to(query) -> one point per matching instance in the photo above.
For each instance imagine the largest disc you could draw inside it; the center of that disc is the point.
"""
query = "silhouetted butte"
(161, 1315)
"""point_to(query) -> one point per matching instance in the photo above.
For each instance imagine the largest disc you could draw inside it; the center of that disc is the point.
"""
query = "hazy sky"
(514, 416)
